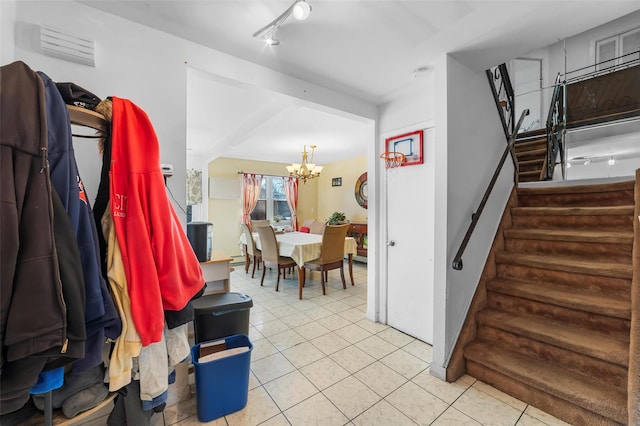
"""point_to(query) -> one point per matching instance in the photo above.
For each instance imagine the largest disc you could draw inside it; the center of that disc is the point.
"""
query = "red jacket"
(161, 268)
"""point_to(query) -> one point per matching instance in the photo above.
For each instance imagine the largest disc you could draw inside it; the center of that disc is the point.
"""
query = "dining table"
(303, 247)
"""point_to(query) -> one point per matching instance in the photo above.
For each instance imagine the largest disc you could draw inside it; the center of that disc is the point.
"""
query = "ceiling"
(364, 48)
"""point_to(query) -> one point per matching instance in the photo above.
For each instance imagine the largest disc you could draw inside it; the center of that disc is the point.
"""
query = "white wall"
(474, 142)
(148, 67)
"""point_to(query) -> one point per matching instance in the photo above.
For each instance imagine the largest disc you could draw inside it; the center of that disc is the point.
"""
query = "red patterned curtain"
(250, 192)
(291, 192)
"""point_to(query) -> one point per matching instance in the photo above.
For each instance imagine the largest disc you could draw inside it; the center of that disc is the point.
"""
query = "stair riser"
(595, 251)
(615, 327)
(558, 407)
(611, 374)
(595, 223)
(531, 146)
(528, 167)
(530, 155)
(529, 178)
(576, 200)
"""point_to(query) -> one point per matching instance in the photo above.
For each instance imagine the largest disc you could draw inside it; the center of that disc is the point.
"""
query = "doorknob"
(391, 243)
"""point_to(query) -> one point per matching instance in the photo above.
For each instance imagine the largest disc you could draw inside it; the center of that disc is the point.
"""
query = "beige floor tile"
(354, 314)
(448, 392)
(180, 411)
(317, 410)
(285, 310)
(253, 381)
(303, 354)
(351, 396)
(260, 407)
(334, 322)
(420, 349)
(254, 334)
(329, 343)
(417, 404)
(383, 414)
(271, 367)
(193, 420)
(353, 301)
(508, 399)
(312, 330)
(279, 420)
(453, 417)
(286, 339)
(260, 317)
(324, 373)
(543, 417)
(486, 409)
(353, 333)
(318, 312)
(270, 328)
(336, 306)
(405, 363)
(376, 347)
(262, 349)
(372, 327)
(395, 337)
(352, 359)
(296, 320)
(380, 378)
(290, 389)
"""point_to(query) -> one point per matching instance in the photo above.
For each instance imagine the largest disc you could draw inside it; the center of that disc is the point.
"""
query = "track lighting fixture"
(300, 10)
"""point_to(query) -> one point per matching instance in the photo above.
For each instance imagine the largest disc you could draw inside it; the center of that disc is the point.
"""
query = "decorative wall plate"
(361, 190)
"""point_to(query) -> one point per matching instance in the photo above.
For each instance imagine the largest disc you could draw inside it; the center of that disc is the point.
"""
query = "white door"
(410, 225)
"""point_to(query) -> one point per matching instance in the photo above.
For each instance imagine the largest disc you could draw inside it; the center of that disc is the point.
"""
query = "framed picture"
(410, 144)
(336, 181)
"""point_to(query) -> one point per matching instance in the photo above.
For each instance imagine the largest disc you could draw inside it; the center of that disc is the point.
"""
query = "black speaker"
(200, 236)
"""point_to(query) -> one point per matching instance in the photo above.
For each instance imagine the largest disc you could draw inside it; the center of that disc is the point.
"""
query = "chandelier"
(305, 170)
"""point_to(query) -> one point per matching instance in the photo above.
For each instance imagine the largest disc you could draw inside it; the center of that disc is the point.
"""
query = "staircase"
(555, 329)
(531, 151)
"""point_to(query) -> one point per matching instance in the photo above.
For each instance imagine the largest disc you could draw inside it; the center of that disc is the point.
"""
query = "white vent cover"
(60, 44)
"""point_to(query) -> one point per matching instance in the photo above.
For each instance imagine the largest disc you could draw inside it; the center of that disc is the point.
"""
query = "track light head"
(301, 10)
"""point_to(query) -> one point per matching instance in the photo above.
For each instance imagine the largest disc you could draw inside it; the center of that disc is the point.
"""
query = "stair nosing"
(571, 235)
(574, 211)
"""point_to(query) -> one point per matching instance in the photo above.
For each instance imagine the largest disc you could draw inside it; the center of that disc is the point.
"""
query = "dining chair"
(270, 256)
(256, 223)
(252, 252)
(331, 253)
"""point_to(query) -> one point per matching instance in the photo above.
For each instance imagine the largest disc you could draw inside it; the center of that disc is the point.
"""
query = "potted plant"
(277, 218)
(337, 218)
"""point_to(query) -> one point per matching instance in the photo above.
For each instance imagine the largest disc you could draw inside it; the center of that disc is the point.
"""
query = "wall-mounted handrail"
(475, 217)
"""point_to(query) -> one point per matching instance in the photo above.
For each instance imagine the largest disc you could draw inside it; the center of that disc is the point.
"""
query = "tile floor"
(318, 361)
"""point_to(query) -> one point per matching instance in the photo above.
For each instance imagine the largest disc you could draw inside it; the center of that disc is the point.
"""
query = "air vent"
(60, 44)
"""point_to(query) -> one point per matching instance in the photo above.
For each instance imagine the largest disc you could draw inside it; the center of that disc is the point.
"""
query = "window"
(611, 51)
(272, 202)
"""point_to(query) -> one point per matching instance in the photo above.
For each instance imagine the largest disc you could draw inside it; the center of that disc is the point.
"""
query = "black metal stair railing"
(556, 129)
(504, 96)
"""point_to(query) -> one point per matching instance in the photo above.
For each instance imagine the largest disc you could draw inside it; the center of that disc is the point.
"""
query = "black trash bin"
(221, 315)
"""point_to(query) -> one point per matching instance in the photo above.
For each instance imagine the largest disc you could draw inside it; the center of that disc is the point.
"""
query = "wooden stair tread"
(529, 173)
(530, 133)
(579, 235)
(577, 389)
(573, 211)
(531, 162)
(567, 264)
(580, 340)
(559, 295)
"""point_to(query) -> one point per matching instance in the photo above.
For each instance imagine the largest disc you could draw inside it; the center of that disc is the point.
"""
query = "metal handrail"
(457, 260)
(556, 123)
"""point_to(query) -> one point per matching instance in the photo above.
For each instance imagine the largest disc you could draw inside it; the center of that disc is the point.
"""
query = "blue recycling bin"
(222, 385)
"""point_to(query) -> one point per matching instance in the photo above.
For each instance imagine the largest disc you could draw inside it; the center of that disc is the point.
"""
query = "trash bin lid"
(221, 302)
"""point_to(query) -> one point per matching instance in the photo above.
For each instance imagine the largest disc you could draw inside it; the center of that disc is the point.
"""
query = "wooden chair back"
(256, 223)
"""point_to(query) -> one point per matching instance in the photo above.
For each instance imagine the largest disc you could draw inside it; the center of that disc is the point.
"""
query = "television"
(200, 235)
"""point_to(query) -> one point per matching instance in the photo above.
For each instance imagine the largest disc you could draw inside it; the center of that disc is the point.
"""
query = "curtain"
(291, 192)
(250, 192)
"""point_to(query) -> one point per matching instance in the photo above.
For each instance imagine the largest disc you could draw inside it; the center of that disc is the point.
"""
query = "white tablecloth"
(302, 247)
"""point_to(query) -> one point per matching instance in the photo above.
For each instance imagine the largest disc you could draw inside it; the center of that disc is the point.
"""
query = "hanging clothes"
(30, 333)
(161, 268)
(101, 319)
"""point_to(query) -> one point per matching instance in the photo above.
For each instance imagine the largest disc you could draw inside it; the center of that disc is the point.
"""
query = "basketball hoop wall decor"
(408, 144)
